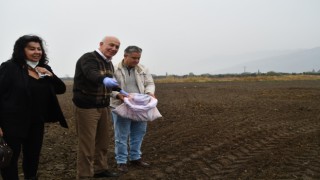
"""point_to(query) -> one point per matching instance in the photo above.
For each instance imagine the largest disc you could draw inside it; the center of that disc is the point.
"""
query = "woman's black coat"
(16, 102)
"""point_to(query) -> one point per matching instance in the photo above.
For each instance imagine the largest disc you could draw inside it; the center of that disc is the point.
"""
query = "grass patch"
(172, 79)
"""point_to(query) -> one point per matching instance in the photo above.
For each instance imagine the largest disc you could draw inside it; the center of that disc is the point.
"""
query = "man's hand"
(150, 94)
(120, 96)
(110, 82)
(124, 92)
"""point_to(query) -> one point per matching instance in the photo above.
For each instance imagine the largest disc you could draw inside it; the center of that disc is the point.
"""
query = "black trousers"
(31, 148)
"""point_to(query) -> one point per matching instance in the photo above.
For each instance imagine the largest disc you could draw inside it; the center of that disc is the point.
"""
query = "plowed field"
(223, 130)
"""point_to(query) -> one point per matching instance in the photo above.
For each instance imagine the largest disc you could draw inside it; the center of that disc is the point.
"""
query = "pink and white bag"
(139, 107)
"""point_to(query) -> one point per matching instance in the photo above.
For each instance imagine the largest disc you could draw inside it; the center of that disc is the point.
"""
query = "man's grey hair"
(131, 49)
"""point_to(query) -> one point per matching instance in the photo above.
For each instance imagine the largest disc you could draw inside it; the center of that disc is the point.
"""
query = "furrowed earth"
(219, 130)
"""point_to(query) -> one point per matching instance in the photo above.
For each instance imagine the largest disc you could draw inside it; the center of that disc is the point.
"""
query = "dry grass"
(172, 79)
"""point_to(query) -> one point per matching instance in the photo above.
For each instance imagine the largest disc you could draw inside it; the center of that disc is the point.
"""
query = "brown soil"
(225, 130)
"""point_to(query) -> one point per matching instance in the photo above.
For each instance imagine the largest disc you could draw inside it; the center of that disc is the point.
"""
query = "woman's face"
(33, 51)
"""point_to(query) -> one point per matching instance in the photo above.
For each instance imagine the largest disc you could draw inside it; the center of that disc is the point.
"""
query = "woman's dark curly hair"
(19, 55)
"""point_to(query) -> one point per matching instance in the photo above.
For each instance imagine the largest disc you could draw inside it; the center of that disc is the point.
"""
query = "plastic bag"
(139, 107)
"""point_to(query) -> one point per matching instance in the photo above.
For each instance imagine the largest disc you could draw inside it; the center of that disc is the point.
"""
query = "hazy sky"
(175, 35)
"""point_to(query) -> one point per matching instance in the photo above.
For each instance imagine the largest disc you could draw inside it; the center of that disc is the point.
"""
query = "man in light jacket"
(132, 78)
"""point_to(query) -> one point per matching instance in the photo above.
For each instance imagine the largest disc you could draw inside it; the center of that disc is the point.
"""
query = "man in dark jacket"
(93, 84)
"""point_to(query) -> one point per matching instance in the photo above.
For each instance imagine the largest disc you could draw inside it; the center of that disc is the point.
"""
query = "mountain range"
(291, 61)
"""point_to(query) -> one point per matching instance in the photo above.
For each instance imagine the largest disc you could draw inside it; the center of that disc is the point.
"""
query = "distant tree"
(272, 73)
(206, 75)
(245, 73)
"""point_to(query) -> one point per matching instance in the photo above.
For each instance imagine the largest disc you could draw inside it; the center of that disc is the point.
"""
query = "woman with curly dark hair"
(28, 89)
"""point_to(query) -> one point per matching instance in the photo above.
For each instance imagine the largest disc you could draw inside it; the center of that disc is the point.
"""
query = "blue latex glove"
(124, 92)
(110, 82)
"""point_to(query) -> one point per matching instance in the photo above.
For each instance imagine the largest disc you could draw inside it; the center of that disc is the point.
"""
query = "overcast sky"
(175, 35)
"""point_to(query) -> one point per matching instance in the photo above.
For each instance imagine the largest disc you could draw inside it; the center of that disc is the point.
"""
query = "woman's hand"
(1, 133)
(43, 71)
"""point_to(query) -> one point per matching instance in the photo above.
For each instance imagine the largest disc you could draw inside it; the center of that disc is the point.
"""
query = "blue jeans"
(125, 128)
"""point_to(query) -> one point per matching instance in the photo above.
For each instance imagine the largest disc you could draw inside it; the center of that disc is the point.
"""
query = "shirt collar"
(103, 56)
(124, 65)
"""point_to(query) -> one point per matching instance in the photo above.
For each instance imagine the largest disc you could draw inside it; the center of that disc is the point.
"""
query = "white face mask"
(32, 64)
